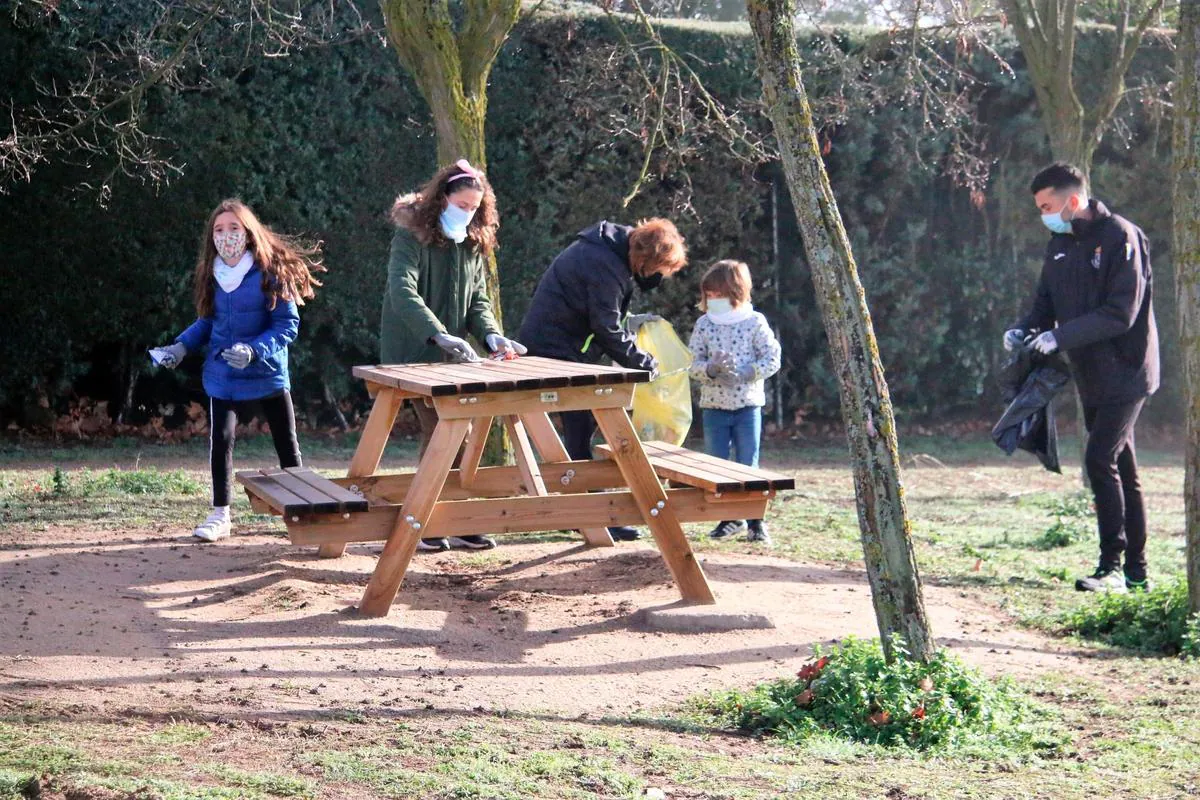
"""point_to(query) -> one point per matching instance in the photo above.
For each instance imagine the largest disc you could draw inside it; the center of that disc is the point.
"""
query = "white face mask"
(718, 305)
(230, 245)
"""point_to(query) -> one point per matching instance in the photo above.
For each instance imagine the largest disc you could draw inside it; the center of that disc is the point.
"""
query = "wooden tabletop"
(526, 372)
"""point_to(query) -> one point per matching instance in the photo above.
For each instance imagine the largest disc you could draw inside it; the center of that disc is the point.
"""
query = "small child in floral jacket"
(733, 351)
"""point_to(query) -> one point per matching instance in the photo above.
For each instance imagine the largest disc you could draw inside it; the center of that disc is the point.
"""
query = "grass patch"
(179, 733)
(852, 693)
(268, 783)
(1157, 621)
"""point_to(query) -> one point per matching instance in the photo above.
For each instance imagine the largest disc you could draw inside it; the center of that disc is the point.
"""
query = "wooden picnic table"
(537, 494)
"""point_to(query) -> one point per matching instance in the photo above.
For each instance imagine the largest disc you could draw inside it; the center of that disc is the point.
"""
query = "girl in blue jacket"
(248, 282)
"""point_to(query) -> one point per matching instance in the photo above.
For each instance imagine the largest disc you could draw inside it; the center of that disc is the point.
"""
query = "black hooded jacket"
(581, 302)
(1097, 285)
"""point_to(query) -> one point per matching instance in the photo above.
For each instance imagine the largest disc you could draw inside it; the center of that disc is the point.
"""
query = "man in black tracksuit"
(579, 310)
(1096, 285)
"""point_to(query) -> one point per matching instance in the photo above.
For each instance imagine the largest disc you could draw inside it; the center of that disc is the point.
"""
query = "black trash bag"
(1029, 382)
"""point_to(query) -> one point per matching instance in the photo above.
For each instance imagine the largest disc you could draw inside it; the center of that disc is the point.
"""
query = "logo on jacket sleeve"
(1096, 259)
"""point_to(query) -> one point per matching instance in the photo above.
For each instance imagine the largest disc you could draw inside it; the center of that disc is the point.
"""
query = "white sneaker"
(213, 529)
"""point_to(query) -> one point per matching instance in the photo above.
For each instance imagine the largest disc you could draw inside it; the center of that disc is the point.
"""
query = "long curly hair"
(419, 211)
(288, 264)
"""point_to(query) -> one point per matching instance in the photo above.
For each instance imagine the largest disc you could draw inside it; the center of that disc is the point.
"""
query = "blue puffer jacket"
(243, 315)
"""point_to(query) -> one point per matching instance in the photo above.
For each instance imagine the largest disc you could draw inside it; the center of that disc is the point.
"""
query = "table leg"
(473, 450)
(551, 448)
(370, 448)
(419, 504)
(531, 476)
(648, 492)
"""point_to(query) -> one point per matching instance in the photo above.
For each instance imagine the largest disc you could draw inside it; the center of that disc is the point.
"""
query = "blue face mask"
(718, 305)
(455, 221)
(1056, 223)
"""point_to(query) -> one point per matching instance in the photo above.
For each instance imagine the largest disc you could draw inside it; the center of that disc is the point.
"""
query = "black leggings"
(222, 423)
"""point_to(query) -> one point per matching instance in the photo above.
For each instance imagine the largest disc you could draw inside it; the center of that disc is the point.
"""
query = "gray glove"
(239, 356)
(456, 349)
(720, 364)
(174, 355)
(736, 375)
(635, 321)
(1013, 338)
(498, 343)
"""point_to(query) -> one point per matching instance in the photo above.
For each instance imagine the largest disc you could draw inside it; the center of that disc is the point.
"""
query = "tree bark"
(866, 405)
(1186, 255)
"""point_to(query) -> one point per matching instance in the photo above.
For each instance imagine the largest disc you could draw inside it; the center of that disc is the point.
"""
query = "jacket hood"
(611, 235)
(404, 210)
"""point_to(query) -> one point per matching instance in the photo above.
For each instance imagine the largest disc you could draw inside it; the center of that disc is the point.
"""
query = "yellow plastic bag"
(662, 409)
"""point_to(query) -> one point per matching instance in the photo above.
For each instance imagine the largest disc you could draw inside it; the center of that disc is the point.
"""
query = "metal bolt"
(654, 512)
(570, 473)
(295, 519)
(346, 515)
(608, 390)
(462, 401)
(565, 480)
(416, 526)
(410, 518)
(353, 487)
(599, 391)
(661, 503)
(473, 400)
(766, 492)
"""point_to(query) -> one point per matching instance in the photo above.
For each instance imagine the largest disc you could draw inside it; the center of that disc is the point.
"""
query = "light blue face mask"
(1055, 222)
(455, 221)
(718, 305)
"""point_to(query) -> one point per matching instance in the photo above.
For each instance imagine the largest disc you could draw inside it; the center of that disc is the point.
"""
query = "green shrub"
(851, 692)
(110, 482)
(1073, 516)
(1157, 621)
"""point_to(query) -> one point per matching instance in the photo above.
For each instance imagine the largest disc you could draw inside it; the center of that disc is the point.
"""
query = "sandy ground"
(252, 625)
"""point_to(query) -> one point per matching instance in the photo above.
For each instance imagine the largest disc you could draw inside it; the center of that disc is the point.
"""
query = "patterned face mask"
(230, 245)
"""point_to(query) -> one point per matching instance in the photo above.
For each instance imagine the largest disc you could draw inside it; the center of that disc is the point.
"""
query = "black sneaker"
(472, 542)
(1137, 586)
(757, 532)
(624, 533)
(726, 528)
(433, 545)
(1104, 579)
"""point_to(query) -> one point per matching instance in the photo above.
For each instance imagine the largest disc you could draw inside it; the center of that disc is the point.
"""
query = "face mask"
(230, 245)
(719, 305)
(455, 221)
(1055, 222)
(648, 283)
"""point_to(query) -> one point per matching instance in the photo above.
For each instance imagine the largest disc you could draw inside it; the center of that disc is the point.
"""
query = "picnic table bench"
(545, 491)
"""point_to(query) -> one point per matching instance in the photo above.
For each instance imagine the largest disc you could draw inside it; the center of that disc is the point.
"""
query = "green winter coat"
(431, 289)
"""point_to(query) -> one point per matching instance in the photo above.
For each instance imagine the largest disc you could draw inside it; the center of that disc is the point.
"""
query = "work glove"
(456, 349)
(1013, 338)
(174, 355)
(720, 364)
(498, 343)
(239, 356)
(635, 321)
(735, 375)
(1045, 343)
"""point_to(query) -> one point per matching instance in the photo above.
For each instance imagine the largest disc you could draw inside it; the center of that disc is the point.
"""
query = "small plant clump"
(1157, 621)
(1072, 522)
(117, 482)
(851, 692)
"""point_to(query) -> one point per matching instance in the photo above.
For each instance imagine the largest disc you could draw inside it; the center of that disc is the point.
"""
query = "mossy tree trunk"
(450, 65)
(866, 405)
(1186, 255)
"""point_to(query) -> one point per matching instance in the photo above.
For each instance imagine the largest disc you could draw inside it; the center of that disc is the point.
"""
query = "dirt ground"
(253, 625)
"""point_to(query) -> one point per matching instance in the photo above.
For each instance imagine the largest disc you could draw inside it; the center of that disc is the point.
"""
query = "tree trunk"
(866, 405)
(1186, 255)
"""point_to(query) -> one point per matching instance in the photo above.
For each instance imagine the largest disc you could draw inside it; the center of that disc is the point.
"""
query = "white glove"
(172, 355)
(1045, 343)
(498, 343)
(457, 349)
(1012, 338)
(239, 356)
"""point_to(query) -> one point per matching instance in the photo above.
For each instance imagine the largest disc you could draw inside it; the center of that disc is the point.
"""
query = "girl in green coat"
(436, 289)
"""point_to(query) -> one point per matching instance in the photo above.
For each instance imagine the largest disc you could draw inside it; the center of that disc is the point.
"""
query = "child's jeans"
(741, 430)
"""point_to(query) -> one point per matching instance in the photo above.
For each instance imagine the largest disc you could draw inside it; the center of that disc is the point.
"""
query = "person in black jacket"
(580, 306)
(1097, 286)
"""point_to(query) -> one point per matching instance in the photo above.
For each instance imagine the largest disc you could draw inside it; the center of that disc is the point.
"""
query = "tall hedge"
(320, 142)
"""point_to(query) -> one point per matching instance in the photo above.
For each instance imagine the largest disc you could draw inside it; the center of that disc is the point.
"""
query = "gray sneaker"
(756, 531)
(726, 528)
(1103, 580)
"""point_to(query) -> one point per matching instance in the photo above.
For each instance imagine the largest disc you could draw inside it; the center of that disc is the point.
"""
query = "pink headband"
(467, 172)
